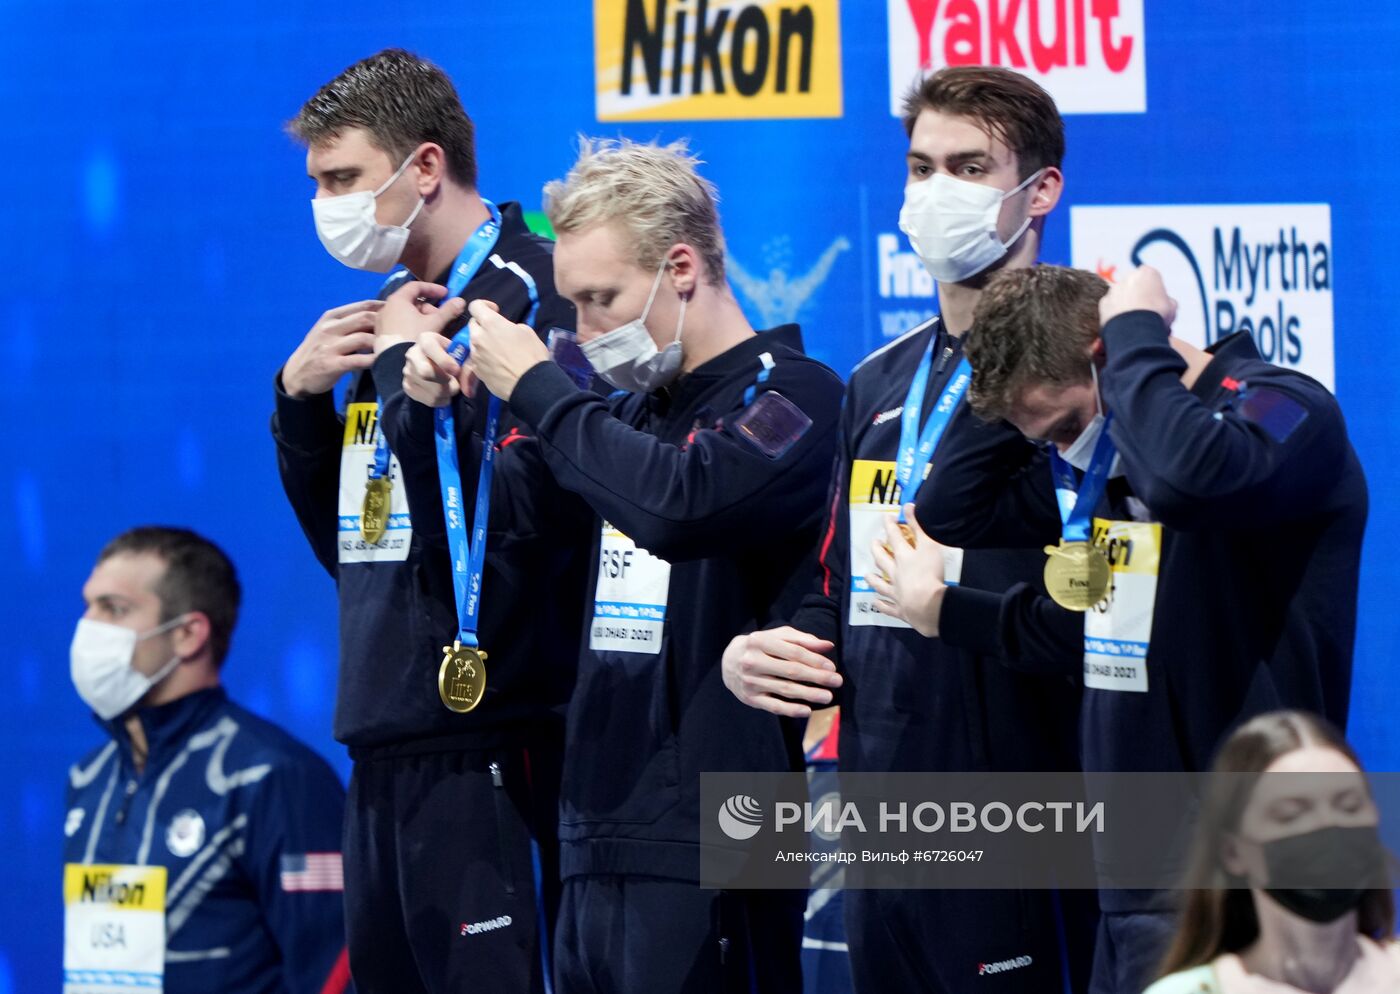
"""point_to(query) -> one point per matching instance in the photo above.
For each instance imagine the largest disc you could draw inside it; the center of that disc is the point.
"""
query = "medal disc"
(374, 512)
(461, 677)
(1077, 575)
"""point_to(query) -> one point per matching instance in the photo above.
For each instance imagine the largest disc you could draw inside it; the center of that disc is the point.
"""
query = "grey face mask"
(627, 357)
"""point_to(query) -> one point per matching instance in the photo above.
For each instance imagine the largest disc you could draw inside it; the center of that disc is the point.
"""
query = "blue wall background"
(161, 264)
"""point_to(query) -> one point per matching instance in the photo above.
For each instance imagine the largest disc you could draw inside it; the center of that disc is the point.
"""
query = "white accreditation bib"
(1118, 629)
(113, 929)
(356, 463)
(874, 498)
(629, 607)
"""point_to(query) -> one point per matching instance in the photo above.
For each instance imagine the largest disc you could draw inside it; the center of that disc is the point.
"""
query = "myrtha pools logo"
(741, 817)
(1265, 269)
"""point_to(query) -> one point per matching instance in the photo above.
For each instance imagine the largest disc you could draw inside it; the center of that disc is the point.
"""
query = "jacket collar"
(725, 365)
(167, 726)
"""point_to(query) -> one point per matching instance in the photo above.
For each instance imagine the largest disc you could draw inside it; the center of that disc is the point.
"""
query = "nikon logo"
(692, 60)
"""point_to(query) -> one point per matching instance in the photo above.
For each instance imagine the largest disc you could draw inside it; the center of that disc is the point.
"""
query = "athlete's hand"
(430, 375)
(502, 350)
(1140, 290)
(908, 577)
(340, 342)
(775, 670)
(411, 312)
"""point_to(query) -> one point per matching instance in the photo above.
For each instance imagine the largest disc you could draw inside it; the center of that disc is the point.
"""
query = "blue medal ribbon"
(1078, 499)
(915, 447)
(469, 554)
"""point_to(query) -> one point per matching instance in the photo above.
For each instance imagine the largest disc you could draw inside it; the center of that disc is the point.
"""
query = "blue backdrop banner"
(163, 260)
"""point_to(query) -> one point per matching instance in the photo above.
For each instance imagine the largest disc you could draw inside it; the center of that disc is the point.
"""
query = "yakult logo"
(1088, 54)
(1265, 269)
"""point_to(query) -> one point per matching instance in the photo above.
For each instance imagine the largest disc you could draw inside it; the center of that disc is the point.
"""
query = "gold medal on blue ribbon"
(374, 512)
(1077, 575)
(461, 677)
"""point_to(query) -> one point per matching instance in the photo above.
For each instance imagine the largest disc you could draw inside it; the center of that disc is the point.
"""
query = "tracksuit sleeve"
(1025, 630)
(988, 488)
(293, 858)
(718, 495)
(820, 611)
(1271, 455)
(308, 433)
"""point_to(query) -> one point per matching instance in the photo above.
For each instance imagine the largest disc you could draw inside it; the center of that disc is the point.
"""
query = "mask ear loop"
(397, 173)
(1098, 401)
(680, 320)
(393, 179)
(1011, 193)
(655, 285)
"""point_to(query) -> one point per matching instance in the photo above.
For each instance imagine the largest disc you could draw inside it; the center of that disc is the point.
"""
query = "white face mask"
(347, 228)
(1081, 450)
(628, 358)
(952, 224)
(100, 659)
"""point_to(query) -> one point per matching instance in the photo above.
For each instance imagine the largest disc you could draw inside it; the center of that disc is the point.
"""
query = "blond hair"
(653, 191)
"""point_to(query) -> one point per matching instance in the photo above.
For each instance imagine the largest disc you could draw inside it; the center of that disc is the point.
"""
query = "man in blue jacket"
(702, 481)
(450, 858)
(203, 842)
(988, 141)
(1201, 512)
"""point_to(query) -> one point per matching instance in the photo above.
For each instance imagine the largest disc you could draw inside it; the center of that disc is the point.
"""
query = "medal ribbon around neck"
(1077, 574)
(915, 447)
(1078, 500)
(468, 553)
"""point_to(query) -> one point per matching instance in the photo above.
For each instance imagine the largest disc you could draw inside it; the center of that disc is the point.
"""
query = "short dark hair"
(402, 101)
(198, 577)
(1031, 326)
(1012, 107)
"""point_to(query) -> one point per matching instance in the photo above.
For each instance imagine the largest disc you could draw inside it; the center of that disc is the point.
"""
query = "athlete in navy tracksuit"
(1261, 504)
(701, 480)
(671, 472)
(914, 704)
(198, 822)
(446, 811)
(247, 822)
(908, 703)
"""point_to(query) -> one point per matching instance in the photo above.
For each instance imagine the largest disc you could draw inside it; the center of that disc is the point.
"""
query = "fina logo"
(1261, 269)
(779, 299)
(741, 817)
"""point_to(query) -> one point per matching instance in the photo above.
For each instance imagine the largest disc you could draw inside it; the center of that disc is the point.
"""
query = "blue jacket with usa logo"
(247, 822)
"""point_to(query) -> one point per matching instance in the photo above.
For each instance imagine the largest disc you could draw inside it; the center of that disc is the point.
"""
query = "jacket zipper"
(943, 359)
(499, 783)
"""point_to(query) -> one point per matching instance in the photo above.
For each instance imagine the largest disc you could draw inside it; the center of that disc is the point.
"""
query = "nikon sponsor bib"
(1118, 629)
(113, 929)
(356, 465)
(629, 608)
(874, 498)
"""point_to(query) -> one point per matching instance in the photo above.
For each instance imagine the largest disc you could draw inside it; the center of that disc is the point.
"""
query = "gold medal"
(1076, 575)
(462, 677)
(907, 532)
(374, 512)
